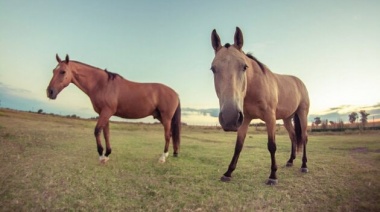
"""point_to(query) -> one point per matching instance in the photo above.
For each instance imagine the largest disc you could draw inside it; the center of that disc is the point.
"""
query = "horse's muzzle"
(231, 121)
(51, 93)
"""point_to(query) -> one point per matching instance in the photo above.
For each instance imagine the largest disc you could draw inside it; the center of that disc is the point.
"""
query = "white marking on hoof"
(163, 157)
(103, 159)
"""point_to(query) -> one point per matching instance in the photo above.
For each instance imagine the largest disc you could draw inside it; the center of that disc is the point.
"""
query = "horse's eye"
(213, 70)
(62, 72)
(245, 67)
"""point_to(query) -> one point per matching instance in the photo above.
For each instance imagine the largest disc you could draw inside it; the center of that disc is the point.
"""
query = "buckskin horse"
(247, 90)
(112, 95)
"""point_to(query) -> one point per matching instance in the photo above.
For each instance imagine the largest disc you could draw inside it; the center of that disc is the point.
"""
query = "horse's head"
(62, 76)
(229, 67)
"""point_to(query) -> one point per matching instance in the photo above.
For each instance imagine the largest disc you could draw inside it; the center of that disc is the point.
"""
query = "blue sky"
(333, 46)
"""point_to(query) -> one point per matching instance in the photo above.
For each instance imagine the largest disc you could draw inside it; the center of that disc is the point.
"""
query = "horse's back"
(138, 100)
(292, 95)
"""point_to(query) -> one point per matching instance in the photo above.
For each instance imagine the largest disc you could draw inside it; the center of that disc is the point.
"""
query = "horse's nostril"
(50, 92)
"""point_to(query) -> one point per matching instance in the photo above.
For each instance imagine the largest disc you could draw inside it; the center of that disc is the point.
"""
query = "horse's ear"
(58, 59)
(215, 40)
(67, 59)
(238, 39)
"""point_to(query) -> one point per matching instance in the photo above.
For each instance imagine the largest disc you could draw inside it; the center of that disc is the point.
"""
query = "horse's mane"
(227, 45)
(262, 66)
(111, 75)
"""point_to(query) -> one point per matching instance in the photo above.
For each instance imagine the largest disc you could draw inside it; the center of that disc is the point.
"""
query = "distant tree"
(40, 111)
(324, 124)
(364, 117)
(340, 124)
(352, 117)
(317, 121)
(74, 116)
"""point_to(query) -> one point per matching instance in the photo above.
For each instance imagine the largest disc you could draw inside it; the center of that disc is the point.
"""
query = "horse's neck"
(257, 80)
(256, 73)
(87, 78)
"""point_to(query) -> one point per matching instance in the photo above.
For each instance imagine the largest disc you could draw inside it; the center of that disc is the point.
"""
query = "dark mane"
(262, 66)
(111, 75)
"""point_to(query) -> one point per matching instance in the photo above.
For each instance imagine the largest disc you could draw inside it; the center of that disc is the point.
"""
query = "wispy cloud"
(342, 112)
(344, 109)
(9, 90)
(213, 112)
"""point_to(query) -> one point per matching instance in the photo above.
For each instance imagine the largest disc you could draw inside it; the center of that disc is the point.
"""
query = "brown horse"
(112, 95)
(247, 90)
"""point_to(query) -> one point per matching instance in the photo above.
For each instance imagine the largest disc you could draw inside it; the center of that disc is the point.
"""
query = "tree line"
(353, 117)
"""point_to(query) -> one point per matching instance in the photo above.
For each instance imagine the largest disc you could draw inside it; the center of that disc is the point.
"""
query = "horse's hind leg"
(166, 123)
(292, 135)
(303, 121)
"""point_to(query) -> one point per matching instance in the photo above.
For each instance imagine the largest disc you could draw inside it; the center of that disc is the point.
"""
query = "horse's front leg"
(106, 133)
(242, 132)
(271, 126)
(103, 124)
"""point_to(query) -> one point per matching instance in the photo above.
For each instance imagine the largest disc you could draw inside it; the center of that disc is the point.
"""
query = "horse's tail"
(298, 131)
(176, 129)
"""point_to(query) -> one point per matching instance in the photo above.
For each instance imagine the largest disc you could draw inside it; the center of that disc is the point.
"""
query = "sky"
(332, 46)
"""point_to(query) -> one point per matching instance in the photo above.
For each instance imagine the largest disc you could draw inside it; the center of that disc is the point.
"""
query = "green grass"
(51, 163)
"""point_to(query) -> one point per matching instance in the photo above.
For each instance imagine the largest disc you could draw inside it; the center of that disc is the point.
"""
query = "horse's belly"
(133, 114)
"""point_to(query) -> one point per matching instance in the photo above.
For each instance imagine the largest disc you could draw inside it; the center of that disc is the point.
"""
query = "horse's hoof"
(304, 170)
(225, 179)
(103, 159)
(175, 154)
(163, 157)
(288, 164)
(272, 181)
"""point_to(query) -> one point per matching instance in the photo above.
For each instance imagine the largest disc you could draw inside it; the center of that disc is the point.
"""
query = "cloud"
(342, 112)
(9, 90)
(22, 99)
(16, 98)
(213, 112)
(200, 116)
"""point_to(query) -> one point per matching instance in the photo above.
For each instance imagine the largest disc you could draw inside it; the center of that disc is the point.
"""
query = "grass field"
(51, 163)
